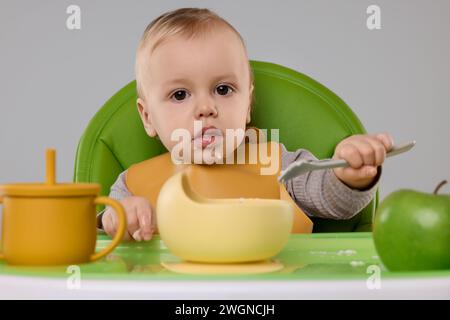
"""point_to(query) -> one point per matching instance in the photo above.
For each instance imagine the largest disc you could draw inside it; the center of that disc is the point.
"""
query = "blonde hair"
(188, 22)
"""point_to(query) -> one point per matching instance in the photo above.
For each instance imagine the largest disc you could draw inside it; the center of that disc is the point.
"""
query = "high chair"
(307, 114)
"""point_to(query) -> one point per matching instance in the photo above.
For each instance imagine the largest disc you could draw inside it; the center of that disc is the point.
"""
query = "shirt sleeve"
(321, 194)
(117, 192)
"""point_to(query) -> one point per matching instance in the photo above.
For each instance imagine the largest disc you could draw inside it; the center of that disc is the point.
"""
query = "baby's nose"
(206, 114)
(206, 111)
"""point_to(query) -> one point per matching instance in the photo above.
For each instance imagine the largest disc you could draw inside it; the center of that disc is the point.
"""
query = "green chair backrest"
(307, 114)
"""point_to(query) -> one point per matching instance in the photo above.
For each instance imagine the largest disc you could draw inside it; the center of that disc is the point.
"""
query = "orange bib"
(146, 178)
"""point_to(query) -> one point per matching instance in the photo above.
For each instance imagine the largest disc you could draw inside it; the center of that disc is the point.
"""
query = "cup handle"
(120, 231)
(2, 256)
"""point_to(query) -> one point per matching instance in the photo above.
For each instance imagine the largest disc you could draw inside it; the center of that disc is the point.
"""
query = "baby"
(191, 65)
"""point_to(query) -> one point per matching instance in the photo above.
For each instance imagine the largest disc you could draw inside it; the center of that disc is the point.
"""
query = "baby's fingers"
(137, 235)
(362, 173)
(378, 149)
(110, 224)
(386, 139)
(351, 154)
(144, 215)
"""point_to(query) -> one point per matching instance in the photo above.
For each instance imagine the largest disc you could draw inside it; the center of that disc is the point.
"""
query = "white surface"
(13, 287)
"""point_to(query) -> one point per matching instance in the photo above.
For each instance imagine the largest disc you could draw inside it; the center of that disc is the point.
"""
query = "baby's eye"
(179, 95)
(224, 89)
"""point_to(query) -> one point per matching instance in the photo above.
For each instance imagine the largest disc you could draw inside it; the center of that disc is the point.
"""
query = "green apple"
(412, 230)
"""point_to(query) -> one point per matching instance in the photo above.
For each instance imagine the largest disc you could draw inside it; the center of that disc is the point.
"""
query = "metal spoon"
(303, 166)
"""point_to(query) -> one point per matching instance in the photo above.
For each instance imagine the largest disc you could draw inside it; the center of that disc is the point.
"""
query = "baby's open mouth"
(204, 140)
(206, 137)
(207, 140)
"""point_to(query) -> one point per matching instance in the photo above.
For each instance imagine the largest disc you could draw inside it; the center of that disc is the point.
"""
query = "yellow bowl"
(206, 230)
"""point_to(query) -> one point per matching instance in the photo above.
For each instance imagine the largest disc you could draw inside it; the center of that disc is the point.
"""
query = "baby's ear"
(145, 117)
(250, 105)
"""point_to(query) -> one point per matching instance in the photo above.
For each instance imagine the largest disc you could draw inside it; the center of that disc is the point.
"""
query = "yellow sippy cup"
(53, 223)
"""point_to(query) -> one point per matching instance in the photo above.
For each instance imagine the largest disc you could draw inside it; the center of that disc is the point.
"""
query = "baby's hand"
(364, 153)
(140, 219)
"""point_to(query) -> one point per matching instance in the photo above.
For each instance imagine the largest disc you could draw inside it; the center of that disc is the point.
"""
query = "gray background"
(53, 80)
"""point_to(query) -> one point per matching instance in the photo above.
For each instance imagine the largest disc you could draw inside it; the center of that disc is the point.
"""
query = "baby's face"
(205, 79)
